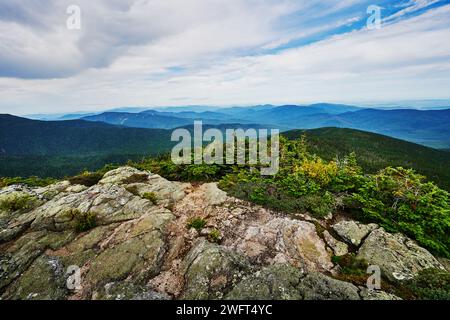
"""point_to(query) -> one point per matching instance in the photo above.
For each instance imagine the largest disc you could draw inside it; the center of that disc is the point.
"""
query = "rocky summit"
(136, 235)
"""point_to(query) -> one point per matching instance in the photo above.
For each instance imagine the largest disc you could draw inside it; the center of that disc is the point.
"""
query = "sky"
(219, 52)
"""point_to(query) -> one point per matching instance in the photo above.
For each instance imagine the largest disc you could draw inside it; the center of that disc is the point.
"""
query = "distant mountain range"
(426, 127)
(63, 148)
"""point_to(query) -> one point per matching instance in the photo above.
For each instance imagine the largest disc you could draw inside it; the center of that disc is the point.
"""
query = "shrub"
(191, 173)
(17, 202)
(214, 236)
(350, 265)
(399, 200)
(197, 223)
(319, 205)
(431, 284)
(86, 178)
(151, 196)
(319, 171)
(84, 221)
(31, 181)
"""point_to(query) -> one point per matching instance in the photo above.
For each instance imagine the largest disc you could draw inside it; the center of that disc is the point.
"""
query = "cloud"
(216, 52)
(410, 7)
(30, 35)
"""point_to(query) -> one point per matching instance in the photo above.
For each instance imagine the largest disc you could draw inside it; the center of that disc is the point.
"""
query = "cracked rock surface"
(143, 250)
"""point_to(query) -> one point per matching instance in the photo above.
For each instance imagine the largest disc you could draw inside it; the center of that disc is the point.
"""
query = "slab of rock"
(211, 271)
(134, 249)
(445, 263)
(317, 286)
(126, 290)
(339, 248)
(18, 257)
(266, 239)
(124, 175)
(353, 232)
(45, 279)
(167, 192)
(277, 282)
(399, 257)
(15, 201)
(367, 294)
(109, 204)
(213, 195)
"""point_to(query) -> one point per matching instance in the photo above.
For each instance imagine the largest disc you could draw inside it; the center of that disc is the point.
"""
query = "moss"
(197, 223)
(214, 236)
(85, 221)
(87, 179)
(17, 202)
(136, 178)
(133, 189)
(151, 196)
(319, 229)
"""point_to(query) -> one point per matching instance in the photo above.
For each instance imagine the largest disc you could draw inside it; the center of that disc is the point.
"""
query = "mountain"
(427, 127)
(74, 116)
(282, 116)
(19, 136)
(287, 114)
(375, 151)
(430, 127)
(58, 148)
(163, 120)
(148, 119)
(61, 148)
(186, 108)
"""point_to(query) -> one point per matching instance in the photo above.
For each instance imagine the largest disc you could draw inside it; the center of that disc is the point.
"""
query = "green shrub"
(214, 236)
(84, 221)
(197, 223)
(319, 205)
(31, 181)
(17, 202)
(164, 167)
(86, 178)
(431, 284)
(151, 196)
(350, 265)
(399, 200)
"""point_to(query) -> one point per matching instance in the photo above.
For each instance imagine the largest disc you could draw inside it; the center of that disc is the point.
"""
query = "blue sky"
(219, 52)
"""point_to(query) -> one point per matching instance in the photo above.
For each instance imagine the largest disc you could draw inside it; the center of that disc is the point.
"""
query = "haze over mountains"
(427, 127)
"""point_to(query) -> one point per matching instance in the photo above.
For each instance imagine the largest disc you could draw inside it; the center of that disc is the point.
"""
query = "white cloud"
(412, 6)
(136, 56)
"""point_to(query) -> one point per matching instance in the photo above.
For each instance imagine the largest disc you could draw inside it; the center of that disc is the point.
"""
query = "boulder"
(277, 282)
(339, 248)
(317, 286)
(398, 257)
(266, 239)
(109, 204)
(367, 294)
(353, 232)
(124, 175)
(210, 271)
(166, 192)
(213, 195)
